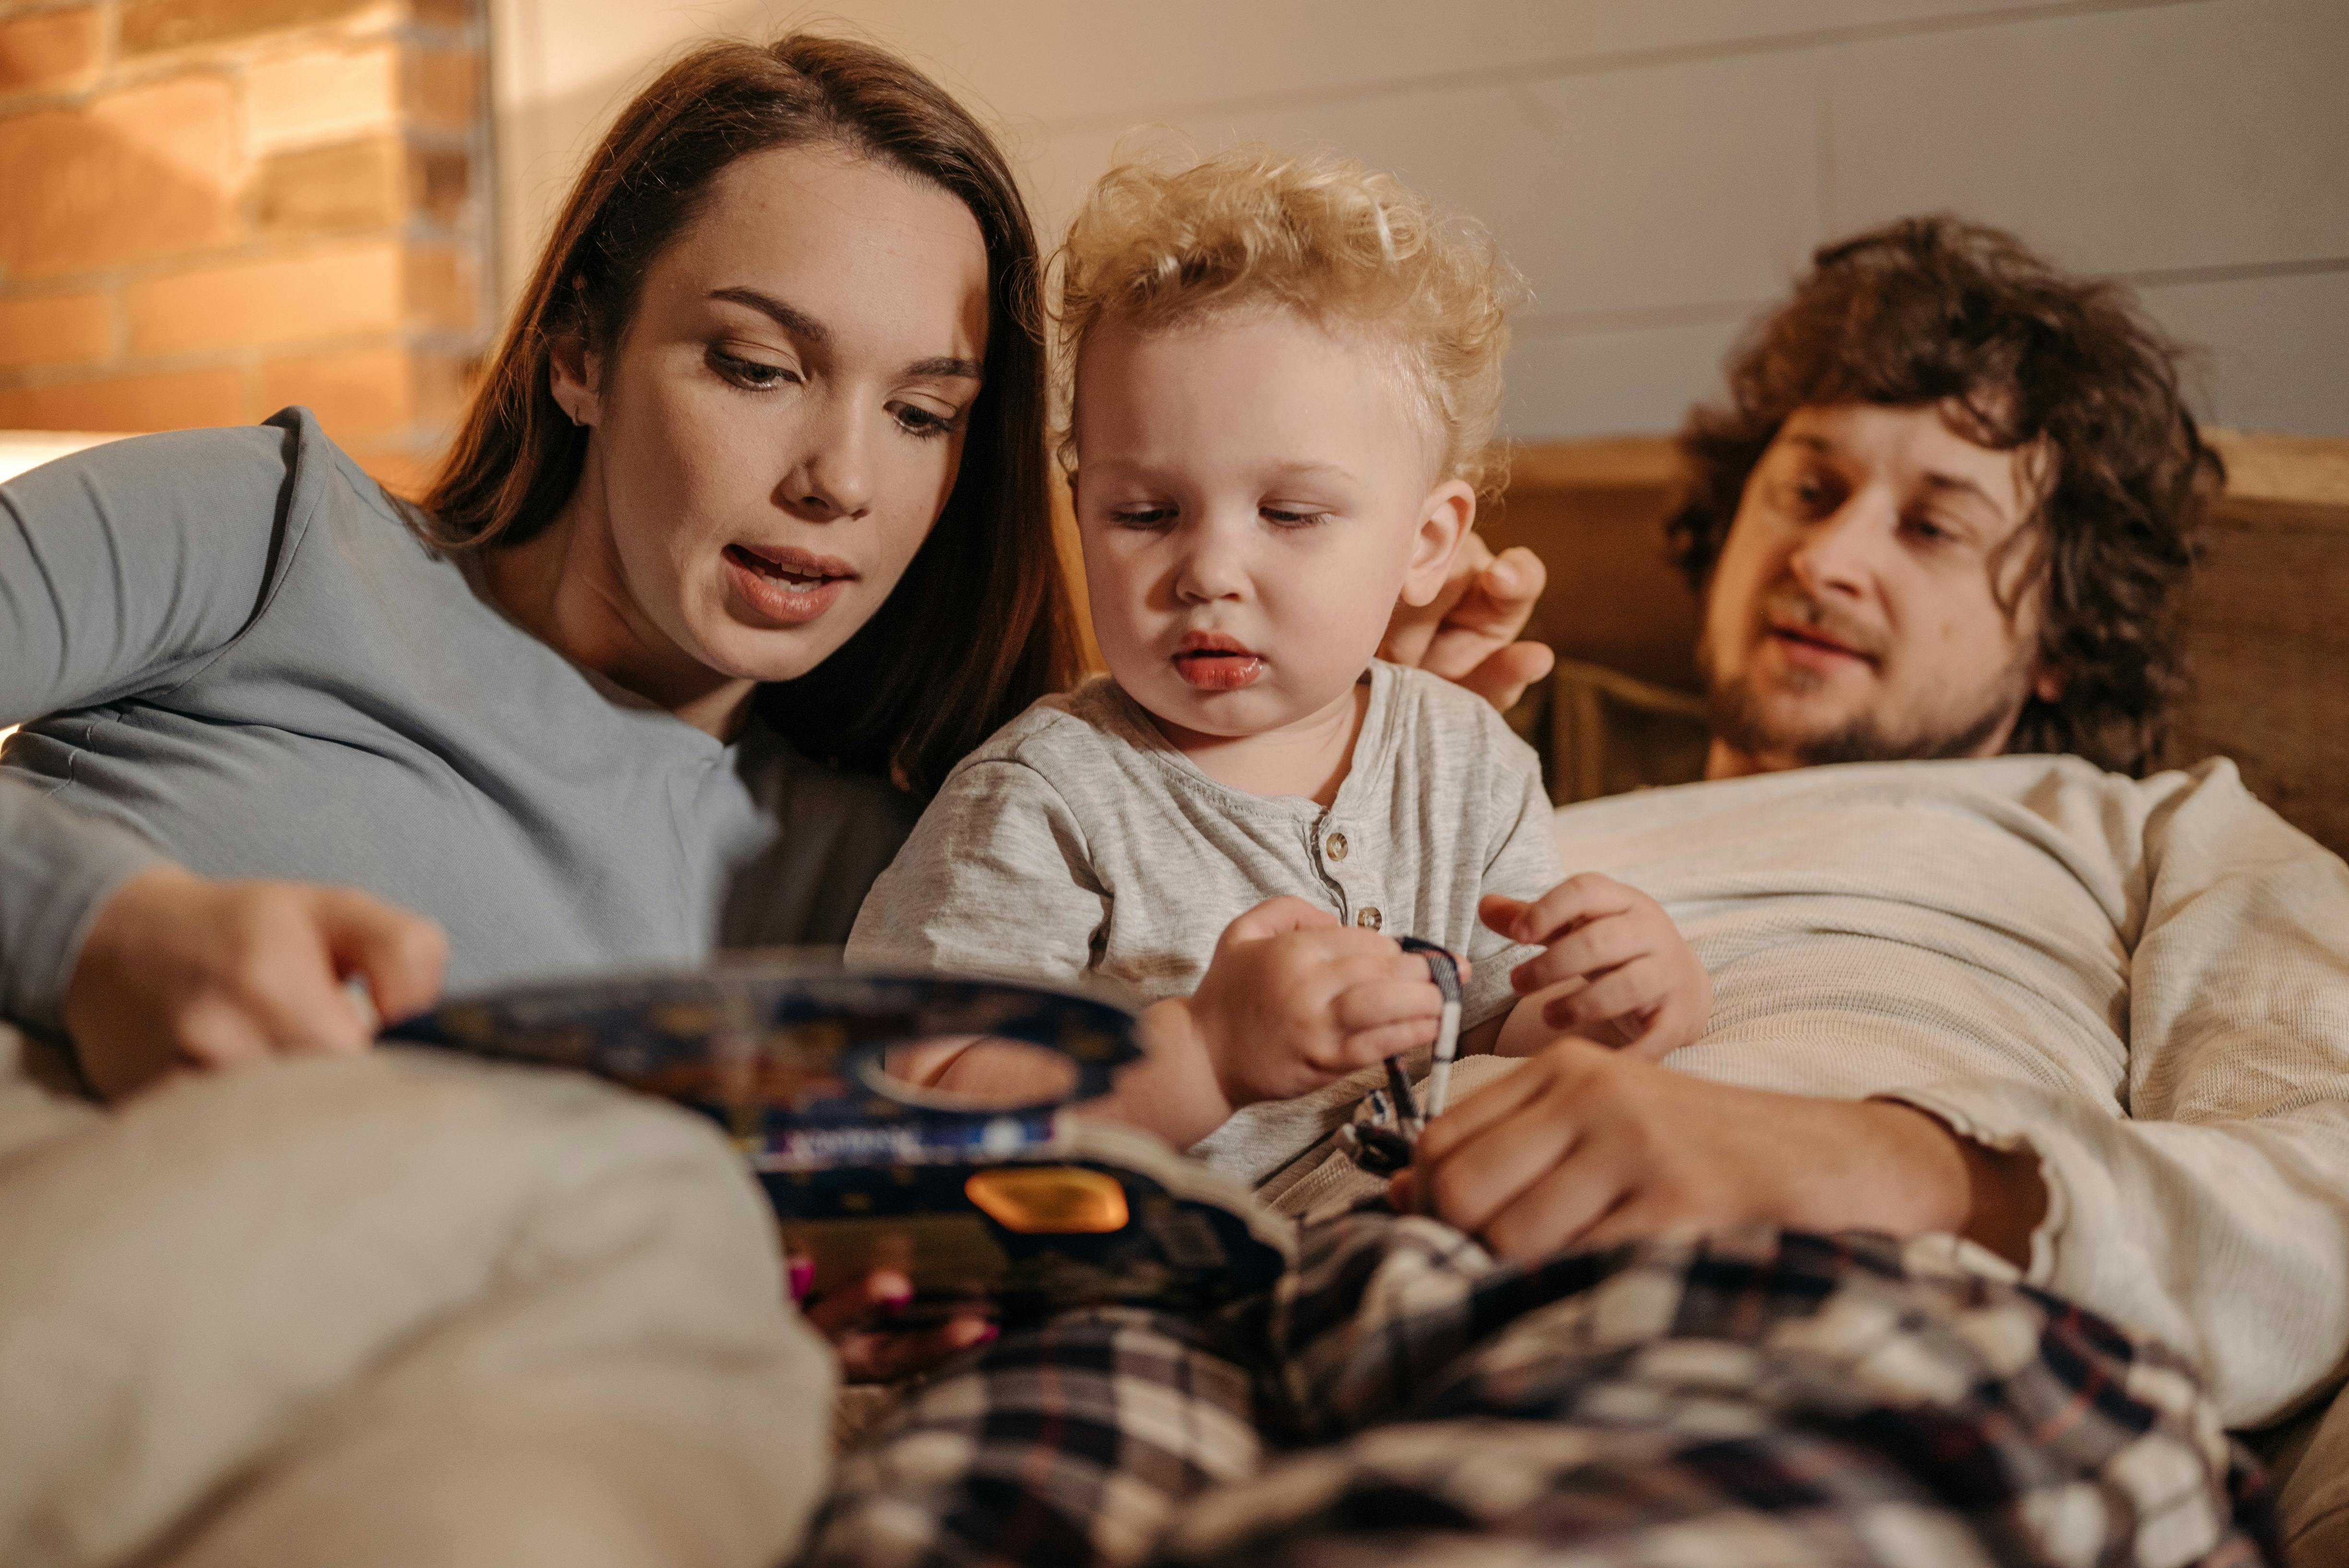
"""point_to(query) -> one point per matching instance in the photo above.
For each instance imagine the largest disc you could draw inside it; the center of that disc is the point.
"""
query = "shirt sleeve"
(122, 570)
(1522, 860)
(994, 881)
(2216, 1213)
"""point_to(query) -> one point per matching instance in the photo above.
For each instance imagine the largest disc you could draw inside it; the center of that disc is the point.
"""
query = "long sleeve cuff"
(57, 868)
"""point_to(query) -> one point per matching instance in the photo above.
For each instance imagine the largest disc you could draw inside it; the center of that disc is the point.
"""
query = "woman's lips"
(788, 586)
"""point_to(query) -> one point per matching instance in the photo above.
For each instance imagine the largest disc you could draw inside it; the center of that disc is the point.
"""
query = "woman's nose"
(834, 477)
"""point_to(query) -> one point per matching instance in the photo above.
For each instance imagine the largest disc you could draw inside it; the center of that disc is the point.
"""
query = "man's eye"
(755, 373)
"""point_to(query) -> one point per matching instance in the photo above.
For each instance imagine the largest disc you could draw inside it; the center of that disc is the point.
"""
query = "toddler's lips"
(1218, 669)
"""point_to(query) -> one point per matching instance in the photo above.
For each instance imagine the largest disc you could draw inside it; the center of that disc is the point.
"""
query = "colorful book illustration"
(1022, 1208)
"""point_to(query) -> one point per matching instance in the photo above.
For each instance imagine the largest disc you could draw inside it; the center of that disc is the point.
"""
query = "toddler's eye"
(1142, 516)
(1290, 517)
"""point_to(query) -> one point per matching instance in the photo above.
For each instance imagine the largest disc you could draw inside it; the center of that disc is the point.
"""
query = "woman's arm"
(123, 570)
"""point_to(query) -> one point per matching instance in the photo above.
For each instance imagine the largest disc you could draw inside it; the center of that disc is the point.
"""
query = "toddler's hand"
(1642, 987)
(1293, 1000)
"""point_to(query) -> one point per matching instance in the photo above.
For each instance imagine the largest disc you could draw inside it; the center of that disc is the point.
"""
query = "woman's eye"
(916, 420)
(755, 373)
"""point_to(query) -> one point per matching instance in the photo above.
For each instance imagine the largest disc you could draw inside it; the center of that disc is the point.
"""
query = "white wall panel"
(1633, 190)
(1626, 382)
(2276, 349)
(2185, 136)
(1062, 60)
(1657, 167)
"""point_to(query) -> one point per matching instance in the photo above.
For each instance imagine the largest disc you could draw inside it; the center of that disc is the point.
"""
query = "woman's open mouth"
(1214, 662)
(789, 585)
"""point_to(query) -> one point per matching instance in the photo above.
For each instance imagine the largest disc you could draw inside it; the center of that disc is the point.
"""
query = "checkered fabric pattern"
(1760, 1397)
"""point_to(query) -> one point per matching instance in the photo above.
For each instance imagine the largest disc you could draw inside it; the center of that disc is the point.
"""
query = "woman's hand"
(855, 1321)
(179, 971)
(1468, 632)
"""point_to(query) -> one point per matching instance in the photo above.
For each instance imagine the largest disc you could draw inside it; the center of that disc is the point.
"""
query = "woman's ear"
(574, 374)
(1444, 520)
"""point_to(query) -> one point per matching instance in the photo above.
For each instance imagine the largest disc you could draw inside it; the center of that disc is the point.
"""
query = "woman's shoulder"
(222, 482)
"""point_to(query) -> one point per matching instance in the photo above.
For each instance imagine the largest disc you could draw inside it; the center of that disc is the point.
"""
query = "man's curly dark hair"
(1939, 310)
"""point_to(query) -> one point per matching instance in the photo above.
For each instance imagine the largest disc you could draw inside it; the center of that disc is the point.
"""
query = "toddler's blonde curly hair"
(1342, 246)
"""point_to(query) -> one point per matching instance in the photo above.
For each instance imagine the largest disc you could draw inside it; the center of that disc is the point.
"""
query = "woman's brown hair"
(1945, 312)
(980, 624)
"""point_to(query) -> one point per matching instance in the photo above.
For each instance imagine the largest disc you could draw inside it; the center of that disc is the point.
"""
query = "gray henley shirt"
(1078, 841)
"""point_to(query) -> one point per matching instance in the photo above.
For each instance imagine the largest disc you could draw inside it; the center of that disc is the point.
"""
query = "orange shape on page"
(1048, 1199)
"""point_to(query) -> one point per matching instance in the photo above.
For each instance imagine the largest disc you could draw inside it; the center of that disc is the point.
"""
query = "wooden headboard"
(2267, 628)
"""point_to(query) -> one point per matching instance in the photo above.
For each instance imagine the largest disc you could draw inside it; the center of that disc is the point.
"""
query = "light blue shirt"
(234, 654)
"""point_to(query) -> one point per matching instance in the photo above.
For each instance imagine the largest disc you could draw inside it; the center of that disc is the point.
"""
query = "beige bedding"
(396, 1310)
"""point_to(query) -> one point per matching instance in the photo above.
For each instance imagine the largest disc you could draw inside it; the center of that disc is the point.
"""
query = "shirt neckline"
(1372, 747)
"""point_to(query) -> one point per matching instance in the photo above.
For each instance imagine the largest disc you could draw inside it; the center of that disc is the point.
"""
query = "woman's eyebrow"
(808, 330)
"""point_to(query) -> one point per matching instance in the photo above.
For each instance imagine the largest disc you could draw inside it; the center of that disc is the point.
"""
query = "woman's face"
(779, 425)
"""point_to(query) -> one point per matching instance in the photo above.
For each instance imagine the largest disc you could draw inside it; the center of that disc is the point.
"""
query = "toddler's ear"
(1444, 520)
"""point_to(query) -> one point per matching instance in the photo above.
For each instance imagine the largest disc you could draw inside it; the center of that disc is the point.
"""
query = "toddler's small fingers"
(1365, 1046)
(1375, 1003)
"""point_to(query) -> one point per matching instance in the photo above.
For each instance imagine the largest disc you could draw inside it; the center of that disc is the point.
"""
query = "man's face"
(1864, 607)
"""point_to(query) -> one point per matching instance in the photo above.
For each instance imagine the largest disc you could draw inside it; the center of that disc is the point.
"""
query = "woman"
(744, 542)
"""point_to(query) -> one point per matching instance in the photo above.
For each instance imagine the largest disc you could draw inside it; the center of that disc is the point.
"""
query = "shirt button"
(1336, 846)
(1369, 915)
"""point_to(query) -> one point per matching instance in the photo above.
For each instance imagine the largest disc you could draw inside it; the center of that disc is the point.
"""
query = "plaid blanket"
(1765, 1397)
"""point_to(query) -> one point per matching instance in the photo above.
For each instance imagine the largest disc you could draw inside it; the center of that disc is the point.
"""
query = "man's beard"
(1740, 718)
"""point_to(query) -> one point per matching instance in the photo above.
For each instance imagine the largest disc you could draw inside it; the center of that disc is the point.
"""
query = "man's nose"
(834, 477)
(1836, 554)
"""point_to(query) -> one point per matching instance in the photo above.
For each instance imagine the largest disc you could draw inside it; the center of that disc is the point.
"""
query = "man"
(1971, 987)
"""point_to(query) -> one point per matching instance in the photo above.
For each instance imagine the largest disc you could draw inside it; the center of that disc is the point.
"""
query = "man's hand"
(1585, 1146)
(1292, 1000)
(177, 971)
(1468, 632)
(1642, 987)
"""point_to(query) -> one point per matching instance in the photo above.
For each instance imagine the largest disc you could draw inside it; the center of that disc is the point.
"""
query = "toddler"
(1281, 377)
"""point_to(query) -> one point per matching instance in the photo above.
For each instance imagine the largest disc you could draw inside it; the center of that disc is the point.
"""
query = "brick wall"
(214, 207)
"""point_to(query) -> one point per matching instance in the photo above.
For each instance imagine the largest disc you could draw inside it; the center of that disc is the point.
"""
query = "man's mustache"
(1794, 610)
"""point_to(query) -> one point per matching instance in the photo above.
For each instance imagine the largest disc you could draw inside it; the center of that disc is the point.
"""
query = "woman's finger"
(883, 1358)
(835, 1313)
(400, 955)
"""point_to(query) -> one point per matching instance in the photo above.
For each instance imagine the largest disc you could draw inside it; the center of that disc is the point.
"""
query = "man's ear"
(574, 374)
(1444, 518)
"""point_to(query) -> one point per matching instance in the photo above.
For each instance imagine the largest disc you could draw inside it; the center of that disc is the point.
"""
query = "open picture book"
(1020, 1207)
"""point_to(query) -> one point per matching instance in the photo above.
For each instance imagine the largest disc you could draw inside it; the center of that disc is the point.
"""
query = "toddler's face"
(1253, 495)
